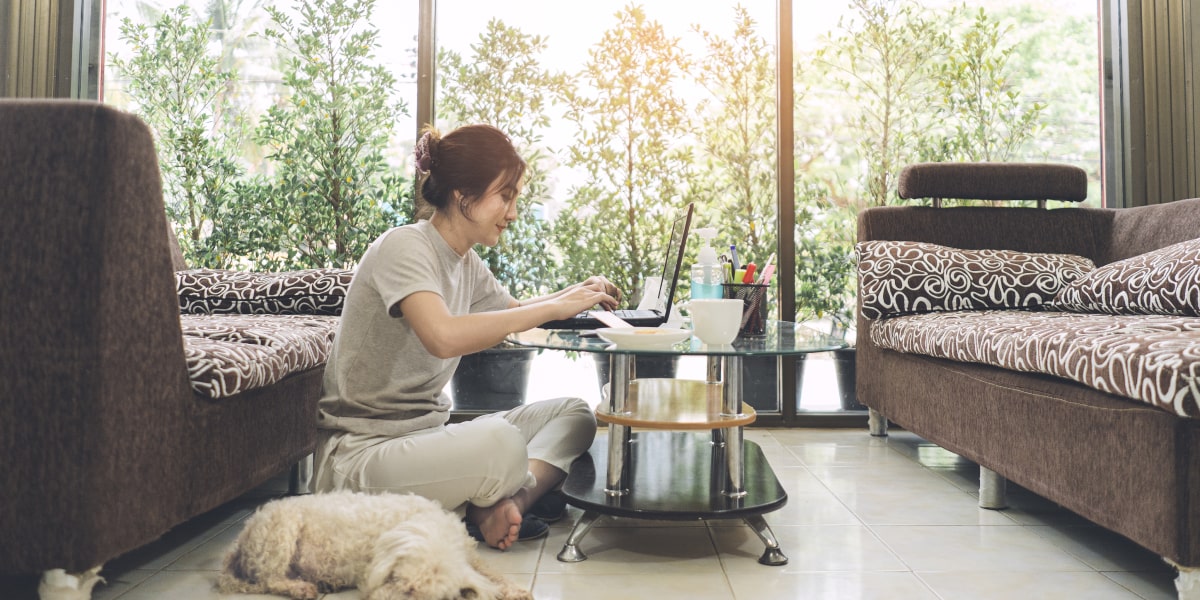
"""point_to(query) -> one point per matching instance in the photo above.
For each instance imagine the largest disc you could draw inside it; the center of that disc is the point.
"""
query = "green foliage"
(987, 118)
(825, 282)
(737, 136)
(502, 84)
(882, 61)
(178, 88)
(631, 127)
(327, 139)
(1054, 60)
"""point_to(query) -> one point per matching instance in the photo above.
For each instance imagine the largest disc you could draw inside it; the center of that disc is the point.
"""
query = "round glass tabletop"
(781, 338)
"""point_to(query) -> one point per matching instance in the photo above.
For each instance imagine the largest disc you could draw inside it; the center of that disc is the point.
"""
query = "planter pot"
(647, 367)
(844, 370)
(758, 382)
(494, 379)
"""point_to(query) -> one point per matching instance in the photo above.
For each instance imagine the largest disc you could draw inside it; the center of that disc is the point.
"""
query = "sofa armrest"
(92, 373)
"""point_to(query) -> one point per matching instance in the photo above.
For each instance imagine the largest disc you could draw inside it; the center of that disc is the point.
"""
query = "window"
(624, 113)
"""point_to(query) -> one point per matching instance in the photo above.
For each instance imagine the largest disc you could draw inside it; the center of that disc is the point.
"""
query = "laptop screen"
(673, 261)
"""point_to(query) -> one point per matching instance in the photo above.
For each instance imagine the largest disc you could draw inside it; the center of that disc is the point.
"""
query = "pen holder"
(754, 308)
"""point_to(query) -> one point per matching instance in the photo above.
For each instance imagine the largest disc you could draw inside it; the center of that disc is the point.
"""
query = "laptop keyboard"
(624, 313)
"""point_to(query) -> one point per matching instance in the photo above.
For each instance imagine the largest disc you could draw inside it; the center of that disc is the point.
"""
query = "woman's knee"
(504, 447)
(581, 420)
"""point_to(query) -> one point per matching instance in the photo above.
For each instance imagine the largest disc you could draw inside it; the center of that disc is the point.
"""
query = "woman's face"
(492, 213)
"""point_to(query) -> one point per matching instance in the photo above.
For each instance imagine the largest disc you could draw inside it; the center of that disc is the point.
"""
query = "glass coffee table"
(689, 459)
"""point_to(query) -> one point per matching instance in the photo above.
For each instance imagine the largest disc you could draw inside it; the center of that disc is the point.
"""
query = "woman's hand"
(599, 283)
(578, 298)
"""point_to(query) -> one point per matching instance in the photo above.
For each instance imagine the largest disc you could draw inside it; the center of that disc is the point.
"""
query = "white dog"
(388, 545)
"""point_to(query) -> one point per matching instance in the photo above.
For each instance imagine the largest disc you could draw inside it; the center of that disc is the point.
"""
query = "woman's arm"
(445, 335)
(596, 283)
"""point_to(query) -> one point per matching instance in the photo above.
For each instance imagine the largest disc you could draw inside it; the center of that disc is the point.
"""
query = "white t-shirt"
(379, 378)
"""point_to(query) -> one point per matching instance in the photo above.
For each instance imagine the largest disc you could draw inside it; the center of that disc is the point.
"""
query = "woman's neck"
(452, 232)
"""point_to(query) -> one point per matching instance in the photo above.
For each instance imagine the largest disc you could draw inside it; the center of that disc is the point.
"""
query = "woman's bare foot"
(500, 523)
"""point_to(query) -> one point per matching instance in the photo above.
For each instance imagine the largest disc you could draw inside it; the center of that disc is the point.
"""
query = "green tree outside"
(332, 192)
(736, 136)
(632, 143)
(501, 83)
(984, 116)
(881, 60)
(178, 88)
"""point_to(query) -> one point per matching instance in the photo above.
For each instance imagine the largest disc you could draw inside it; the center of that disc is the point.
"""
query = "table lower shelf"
(675, 475)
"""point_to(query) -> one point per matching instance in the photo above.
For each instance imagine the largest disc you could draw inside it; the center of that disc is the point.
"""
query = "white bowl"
(643, 338)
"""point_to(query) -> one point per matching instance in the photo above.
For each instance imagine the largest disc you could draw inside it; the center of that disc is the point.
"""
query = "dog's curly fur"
(390, 546)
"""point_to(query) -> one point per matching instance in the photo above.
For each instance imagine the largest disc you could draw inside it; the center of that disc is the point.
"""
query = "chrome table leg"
(772, 555)
(570, 551)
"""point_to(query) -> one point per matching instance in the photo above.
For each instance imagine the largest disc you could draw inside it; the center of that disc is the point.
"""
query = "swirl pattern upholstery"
(1162, 282)
(1153, 359)
(230, 354)
(899, 278)
(310, 291)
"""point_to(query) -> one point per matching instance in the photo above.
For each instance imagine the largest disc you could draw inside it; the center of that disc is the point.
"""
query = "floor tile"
(179, 585)
(1101, 549)
(1149, 586)
(882, 507)
(209, 555)
(975, 548)
(820, 508)
(523, 557)
(816, 548)
(902, 478)
(612, 550)
(831, 585)
(991, 585)
(632, 586)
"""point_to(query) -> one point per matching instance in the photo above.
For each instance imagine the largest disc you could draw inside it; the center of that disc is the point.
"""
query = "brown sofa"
(106, 442)
(1126, 465)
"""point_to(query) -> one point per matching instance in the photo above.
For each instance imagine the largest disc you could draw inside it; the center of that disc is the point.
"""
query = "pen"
(733, 256)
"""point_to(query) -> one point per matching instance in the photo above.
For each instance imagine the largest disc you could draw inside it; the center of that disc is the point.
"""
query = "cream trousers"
(481, 461)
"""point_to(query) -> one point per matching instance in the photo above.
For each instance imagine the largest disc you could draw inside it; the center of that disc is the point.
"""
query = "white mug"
(716, 321)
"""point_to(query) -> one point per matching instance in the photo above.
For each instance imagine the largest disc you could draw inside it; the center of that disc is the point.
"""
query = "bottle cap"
(707, 256)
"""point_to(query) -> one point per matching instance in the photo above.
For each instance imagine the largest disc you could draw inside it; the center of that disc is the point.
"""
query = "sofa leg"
(1187, 582)
(876, 423)
(57, 584)
(300, 477)
(991, 489)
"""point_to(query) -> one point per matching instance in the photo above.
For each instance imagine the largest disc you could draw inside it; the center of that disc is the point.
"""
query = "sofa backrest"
(1081, 231)
(1134, 231)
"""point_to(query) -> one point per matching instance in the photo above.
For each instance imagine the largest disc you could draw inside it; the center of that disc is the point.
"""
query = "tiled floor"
(892, 518)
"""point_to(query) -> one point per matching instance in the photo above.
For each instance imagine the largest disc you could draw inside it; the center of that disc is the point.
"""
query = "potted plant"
(825, 287)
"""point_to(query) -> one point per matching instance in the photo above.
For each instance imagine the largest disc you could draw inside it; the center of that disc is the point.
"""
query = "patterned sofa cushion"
(310, 292)
(898, 278)
(1149, 358)
(229, 354)
(1163, 282)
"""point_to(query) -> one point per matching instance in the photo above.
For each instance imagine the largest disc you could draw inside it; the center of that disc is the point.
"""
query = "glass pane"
(884, 83)
(278, 151)
(625, 114)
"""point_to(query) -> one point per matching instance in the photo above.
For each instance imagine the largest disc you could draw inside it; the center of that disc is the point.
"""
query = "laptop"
(672, 263)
